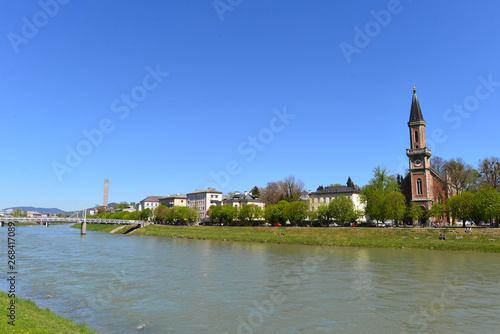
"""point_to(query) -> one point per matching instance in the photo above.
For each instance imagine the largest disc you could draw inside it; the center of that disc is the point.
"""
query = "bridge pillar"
(84, 228)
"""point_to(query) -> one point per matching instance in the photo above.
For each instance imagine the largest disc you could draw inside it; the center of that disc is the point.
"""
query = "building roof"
(175, 196)
(336, 190)
(209, 190)
(152, 199)
(415, 113)
(246, 196)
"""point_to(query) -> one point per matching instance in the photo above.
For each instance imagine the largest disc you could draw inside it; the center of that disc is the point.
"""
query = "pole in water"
(84, 228)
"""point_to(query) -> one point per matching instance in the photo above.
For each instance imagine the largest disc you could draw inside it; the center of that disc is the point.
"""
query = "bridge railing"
(38, 220)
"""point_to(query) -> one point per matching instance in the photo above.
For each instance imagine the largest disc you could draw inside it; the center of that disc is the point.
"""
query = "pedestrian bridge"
(52, 220)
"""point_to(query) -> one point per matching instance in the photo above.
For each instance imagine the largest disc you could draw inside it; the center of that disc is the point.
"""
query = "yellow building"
(326, 195)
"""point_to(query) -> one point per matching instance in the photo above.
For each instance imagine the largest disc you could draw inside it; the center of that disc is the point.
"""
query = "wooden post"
(84, 228)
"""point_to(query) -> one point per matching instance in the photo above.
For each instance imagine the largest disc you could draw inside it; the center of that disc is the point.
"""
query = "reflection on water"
(134, 284)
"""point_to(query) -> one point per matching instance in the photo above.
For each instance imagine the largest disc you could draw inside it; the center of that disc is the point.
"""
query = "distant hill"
(41, 210)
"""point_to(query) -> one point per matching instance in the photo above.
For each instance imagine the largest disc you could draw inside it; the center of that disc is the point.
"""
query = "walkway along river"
(134, 284)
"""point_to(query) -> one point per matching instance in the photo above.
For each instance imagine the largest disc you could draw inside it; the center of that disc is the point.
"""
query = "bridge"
(51, 220)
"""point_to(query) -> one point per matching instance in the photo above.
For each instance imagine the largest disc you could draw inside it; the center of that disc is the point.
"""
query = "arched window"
(419, 187)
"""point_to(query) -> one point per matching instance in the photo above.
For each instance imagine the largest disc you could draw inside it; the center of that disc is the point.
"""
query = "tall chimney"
(106, 190)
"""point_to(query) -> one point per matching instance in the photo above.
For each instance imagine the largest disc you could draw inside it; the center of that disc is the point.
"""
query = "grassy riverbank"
(31, 319)
(102, 227)
(483, 240)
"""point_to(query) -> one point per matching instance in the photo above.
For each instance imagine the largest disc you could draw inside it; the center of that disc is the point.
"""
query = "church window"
(419, 187)
(416, 136)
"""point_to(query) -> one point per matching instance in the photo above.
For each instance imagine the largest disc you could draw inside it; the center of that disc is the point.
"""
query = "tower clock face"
(418, 162)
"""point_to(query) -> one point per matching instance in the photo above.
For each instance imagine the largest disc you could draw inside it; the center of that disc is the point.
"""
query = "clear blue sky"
(228, 69)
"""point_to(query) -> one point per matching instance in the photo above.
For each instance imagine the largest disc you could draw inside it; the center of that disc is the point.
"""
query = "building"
(203, 199)
(174, 200)
(422, 184)
(150, 202)
(239, 200)
(327, 195)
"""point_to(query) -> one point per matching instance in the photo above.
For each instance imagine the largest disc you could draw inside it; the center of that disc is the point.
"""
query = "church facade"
(422, 185)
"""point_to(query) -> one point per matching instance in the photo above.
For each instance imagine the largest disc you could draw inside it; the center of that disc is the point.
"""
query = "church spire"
(415, 113)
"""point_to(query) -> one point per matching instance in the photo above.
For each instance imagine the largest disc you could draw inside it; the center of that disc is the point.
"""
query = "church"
(422, 185)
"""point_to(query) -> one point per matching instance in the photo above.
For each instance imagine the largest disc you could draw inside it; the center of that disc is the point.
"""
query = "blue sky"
(178, 95)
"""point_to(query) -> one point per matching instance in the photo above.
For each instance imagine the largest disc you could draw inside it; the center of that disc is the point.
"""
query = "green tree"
(296, 212)
(270, 214)
(414, 211)
(17, 213)
(214, 212)
(462, 206)
(255, 191)
(376, 206)
(323, 213)
(438, 210)
(145, 214)
(161, 212)
(281, 211)
(349, 183)
(249, 212)
(229, 213)
(487, 203)
(341, 209)
(396, 206)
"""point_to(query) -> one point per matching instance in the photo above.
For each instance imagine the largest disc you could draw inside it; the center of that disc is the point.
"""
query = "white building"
(204, 199)
(150, 202)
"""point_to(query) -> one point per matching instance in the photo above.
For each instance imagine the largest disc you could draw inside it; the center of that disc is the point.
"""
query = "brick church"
(422, 184)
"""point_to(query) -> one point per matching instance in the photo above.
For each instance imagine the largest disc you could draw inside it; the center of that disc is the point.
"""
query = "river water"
(135, 284)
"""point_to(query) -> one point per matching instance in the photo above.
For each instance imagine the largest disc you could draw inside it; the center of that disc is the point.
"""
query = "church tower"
(420, 177)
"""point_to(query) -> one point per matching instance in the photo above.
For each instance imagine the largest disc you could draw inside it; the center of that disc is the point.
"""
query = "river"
(136, 284)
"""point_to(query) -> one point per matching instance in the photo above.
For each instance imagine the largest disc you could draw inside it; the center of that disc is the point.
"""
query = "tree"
(374, 194)
(320, 188)
(249, 212)
(341, 208)
(349, 183)
(17, 213)
(462, 206)
(101, 209)
(229, 213)
(296, 212)
(438, 164)
(276, 213)
(270, 214)
(323, 213)
(458, 174)
(161, 212)
(489, 168)
(487, 203)
(214, 212)
(255, 191)
(271, 194)
(415, 211)
(145, 214)
(381, 182)
(291, 189)
(376, 206)
(396, 206)
(438, 210)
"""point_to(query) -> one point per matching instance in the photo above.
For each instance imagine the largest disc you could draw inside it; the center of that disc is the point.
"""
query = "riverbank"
(31, 319)
(482, 240)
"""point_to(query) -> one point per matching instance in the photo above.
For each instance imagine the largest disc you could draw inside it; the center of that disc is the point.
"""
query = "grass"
(31, 319)
(483, 240)
(99, 227)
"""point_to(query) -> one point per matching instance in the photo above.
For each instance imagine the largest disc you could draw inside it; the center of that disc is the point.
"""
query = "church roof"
(416, 113)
